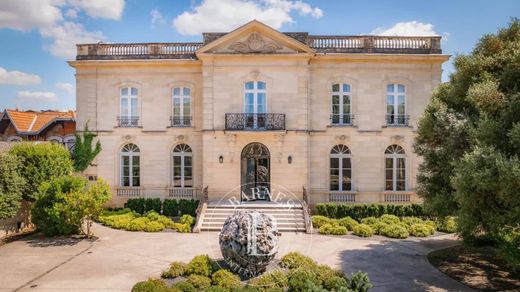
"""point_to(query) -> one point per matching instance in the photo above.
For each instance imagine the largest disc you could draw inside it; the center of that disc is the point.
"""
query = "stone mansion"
(256, 111)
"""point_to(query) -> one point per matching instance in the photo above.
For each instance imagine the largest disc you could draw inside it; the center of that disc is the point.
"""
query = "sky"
(39, 36)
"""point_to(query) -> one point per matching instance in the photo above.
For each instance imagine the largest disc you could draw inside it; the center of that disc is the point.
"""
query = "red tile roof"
(33, 121)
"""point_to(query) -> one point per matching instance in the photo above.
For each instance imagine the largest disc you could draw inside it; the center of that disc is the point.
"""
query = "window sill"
(341, 126)
(190, 126)
(397, 126)
(135, 127)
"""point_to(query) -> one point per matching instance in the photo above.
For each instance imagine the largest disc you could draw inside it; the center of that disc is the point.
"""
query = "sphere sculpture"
(249, 242)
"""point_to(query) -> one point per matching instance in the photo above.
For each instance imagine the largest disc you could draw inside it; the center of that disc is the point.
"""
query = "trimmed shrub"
(136, 205)
(153, 226)
(324, 272)
(318, 221)
(152, 204)
(199, 282)
(348, 223)
(188, 207)
(167, 222)
(183, 286)
(151, 285)
(420, 230)
(187, 220)
(363, 230)
(176, 269)
(152, 215)
(411, 220)
(11, 185)
(201, 265)
(372, 221)
(51, 213)
(137, 224)
(389, 219)
(170, 208)
(225, 279)
(359, 282)
(219, 289)
(335, 283)
(182, 228)
(447, 224)
(300, 279)
(394, 231)
(40, 163)
(294, 260)
(360, 211)
(333, 229)
(273, 281)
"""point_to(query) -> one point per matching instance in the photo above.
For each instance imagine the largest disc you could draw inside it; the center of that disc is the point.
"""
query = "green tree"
(469, 138)
(40, 163)
(11, 185)
(84, 151)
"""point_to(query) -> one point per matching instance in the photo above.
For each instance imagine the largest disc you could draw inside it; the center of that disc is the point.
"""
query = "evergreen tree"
(84, 151)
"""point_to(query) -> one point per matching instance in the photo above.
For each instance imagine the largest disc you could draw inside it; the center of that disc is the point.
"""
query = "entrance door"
(255, 172)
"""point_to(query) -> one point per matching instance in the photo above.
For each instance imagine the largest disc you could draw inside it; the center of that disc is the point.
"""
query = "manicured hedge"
(360, 211)
(169, 207)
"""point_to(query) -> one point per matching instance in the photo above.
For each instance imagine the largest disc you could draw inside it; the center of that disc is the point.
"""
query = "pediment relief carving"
(255, 43)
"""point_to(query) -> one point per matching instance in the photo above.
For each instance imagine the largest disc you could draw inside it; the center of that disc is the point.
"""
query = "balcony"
(341, 120)
(397, 120)
(179, 122)
(255, 122)
(127, 122)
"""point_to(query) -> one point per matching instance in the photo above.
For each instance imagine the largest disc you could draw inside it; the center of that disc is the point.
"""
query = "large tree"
(469, 138)
(84, 151)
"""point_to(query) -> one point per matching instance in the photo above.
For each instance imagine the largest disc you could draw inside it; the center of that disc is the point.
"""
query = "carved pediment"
(255, 43)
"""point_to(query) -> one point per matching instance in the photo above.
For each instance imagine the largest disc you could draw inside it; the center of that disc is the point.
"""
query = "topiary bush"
(188, 207)
(333, 229)
(153, 226)
(201, 265)
(199, 282)
(394, 231)
(348, 223)
(318, 221)
(11, 185)
(170, 208)
(151, 285)
(360, 211)
(136, 205)
(447, 224)
(176, 269)
(389, 219)
(300, 279)
(187, 220)
(372, 221)
(273, 281)
(363, 230)
(152, 204)
(137, 224)
(225, 279)
(294, 260)
(359, 282)
(411, 220)
(152, 215)
(420, 230)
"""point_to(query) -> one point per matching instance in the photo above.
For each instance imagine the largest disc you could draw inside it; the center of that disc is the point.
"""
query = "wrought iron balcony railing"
(128, 121)
(255, 122)
(397, 120)
(180, 121)
(342, 120)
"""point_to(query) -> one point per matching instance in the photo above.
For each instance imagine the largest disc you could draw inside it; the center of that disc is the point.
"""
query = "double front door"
(255, 172)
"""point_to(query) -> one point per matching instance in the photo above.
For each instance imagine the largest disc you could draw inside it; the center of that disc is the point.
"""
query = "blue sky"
(38, 36)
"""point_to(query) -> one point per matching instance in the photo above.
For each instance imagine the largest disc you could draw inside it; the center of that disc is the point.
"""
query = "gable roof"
(34, 122)
(256, 25)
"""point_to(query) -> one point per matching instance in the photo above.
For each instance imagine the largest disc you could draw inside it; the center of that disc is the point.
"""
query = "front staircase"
(290, 217)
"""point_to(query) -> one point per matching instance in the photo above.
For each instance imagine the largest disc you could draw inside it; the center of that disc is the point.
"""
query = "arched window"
(181, 111)
(130, 166)
(69, 142)
(14, 139)
(340, 169)
(395, 168)
(182, 166)
(129, 113)
(396, 105)
(255, 107)
(341, 104)
(55, 139)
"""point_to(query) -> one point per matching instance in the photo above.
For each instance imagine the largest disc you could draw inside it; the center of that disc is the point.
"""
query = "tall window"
(396, 105)
(395, 169)
(182, 166)
(340, 169)
(130, 166)
(181, 115)
(255, 104)
(69, 142)
(129, 115)
(341, 104)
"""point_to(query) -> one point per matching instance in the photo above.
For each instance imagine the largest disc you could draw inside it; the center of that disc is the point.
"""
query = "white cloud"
(36, 96)
(18, 77)
(29, 14)
(411, 28)
(157, 17)
(110, 9)
(66, 36)
(226, 15)
(67, 87)
(71, 13)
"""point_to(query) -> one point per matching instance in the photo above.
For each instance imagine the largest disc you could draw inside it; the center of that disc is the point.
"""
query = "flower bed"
(295, 272)
(150, 222)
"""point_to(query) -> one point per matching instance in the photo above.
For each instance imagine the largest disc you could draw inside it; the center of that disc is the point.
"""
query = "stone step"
(267, 211)
(278, 221)
(281, 227)
(276, 216)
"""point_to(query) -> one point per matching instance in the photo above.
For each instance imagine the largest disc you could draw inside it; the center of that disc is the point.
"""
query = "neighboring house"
(53, 126)
(256, 109)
